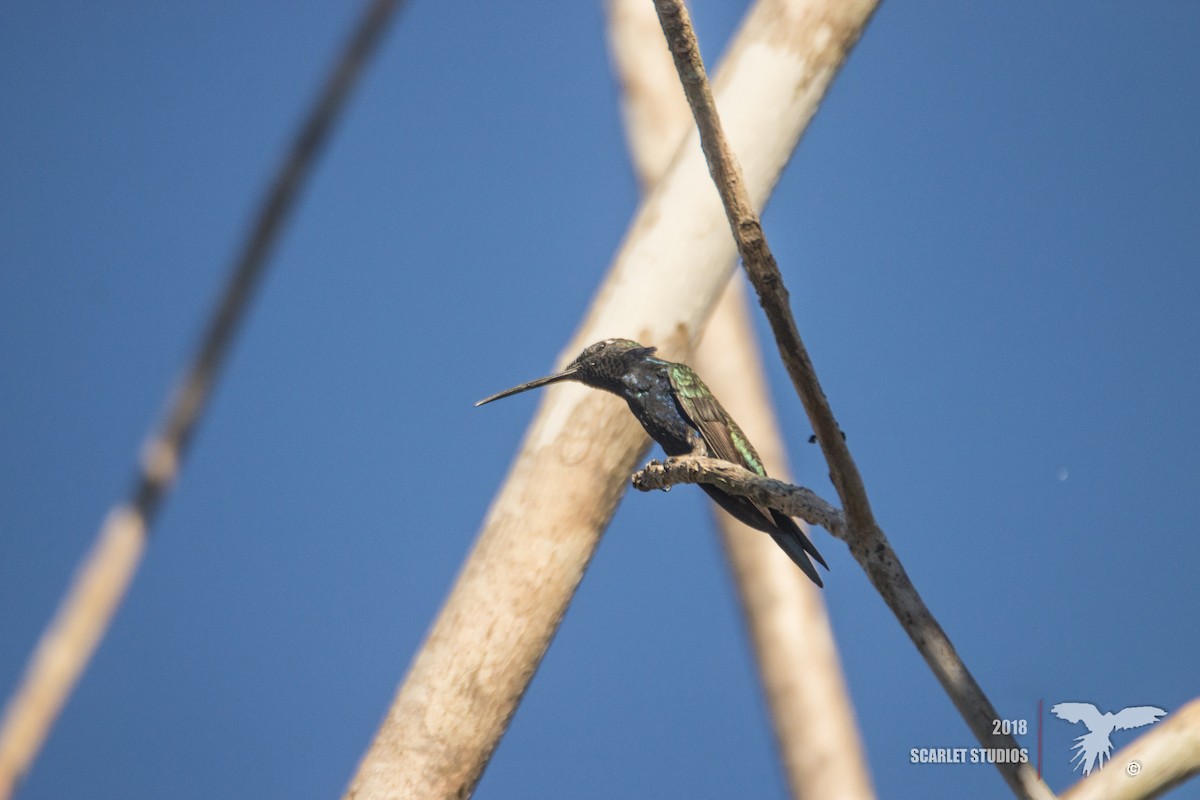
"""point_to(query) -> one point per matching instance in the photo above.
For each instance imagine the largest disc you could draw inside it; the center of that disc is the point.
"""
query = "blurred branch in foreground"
(867, 541)
(106, 573)
(465, 683)
(799, 669)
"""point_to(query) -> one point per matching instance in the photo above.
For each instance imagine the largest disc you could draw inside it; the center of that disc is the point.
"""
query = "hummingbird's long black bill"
(565, 375)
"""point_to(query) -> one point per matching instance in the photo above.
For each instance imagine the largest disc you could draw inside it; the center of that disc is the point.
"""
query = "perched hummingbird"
(681, 414)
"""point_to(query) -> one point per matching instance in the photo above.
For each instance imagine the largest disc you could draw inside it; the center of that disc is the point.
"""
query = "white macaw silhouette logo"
(1094, 746)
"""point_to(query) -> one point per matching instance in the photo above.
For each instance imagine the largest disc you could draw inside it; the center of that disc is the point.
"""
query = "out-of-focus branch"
(92, 600)
(656, 114)
(797, 658)
(1157, 761)
(867, 541)
(465, 683)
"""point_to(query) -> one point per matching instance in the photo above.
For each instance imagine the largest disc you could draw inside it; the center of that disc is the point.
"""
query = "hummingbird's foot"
(652, 465)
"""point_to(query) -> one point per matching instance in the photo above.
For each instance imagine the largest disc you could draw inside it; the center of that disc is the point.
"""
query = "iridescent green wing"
(724, 438)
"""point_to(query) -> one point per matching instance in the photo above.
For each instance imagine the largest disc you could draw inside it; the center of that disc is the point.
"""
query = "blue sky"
(990, 234)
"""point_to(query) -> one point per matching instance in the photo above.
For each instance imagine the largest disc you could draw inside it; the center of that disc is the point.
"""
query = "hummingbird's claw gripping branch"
(795, 501)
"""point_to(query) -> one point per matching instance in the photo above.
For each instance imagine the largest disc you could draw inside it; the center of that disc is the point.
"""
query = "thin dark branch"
(93, 598)
(866, 539)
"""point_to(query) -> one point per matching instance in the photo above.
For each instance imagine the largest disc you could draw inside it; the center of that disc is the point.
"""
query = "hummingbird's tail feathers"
(783, 529)
(796, 552)
(788, 525)
(791, 540)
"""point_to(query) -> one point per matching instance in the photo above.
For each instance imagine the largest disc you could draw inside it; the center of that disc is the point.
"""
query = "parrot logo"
(1094, 747)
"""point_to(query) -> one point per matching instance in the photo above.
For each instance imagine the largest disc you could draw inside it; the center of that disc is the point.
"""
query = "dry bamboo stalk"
(465, 683)
(797, 657)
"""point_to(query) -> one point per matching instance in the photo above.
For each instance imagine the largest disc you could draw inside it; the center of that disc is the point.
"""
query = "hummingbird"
(682, 415)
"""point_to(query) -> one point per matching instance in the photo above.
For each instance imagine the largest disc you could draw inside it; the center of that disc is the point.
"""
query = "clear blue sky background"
(990, 233)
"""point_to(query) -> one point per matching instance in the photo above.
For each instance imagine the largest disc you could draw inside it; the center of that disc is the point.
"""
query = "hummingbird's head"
(600, 366)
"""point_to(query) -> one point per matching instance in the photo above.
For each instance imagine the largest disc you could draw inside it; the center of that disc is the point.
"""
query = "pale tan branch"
(866, 539)
(656, 114)
(1156, 762)
(92, 600)
(464, 685)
